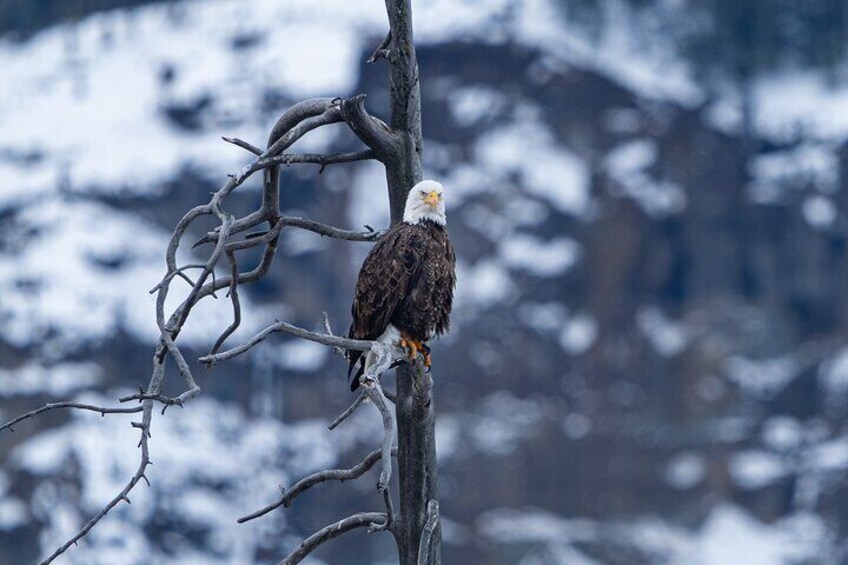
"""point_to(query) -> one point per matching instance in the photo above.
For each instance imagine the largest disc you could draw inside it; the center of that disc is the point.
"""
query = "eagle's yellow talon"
(413, 348)
(427, 360)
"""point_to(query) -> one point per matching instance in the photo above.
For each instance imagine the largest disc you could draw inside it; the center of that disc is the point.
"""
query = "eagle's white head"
(426, 201)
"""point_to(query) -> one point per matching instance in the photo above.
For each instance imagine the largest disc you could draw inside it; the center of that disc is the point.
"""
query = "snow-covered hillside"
(647, 344)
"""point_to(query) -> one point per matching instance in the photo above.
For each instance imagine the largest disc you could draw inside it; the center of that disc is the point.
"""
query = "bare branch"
(141, 396)
(192, 389)
(331, 115)
(243, 144)
(178, 272)
(242, 224)
(337, 350)
(254, 240)
(285, 327)
(390, 514)
(310, 481)
(374, 133)
(330, 231)
(302, 223)
(296, 114)
(348, 411)
(371, 383)
(307, 546)
(56, 405)
(144, 426)
(234, 298)
(316, 158)
(424, 548)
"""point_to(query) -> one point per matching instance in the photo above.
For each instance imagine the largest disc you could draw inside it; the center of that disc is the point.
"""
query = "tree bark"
(417, 468)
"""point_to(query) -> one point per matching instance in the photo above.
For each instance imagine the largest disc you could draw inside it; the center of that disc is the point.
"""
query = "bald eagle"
(405, 288)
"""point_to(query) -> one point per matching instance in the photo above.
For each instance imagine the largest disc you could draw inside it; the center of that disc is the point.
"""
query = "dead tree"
(398, 145)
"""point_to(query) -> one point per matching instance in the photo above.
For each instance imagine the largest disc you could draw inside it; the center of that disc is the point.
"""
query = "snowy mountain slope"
(644, 301)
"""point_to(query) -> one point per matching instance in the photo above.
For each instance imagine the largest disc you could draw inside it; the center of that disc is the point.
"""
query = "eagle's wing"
(445, 284)
(386, 275)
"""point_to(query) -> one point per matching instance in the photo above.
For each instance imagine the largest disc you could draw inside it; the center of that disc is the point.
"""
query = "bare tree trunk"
(415, 409)
(416, 464)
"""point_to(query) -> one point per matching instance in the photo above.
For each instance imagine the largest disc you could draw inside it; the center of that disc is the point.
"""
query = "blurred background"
(649, 360)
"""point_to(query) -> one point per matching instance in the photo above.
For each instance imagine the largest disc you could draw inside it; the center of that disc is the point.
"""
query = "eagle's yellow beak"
(432, 199)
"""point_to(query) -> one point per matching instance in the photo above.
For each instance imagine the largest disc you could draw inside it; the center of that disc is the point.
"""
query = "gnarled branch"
(373, 132)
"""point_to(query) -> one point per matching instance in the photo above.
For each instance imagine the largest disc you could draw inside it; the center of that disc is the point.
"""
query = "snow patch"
(833, 373)
(578, 334)
(484, 284)
(214, 463)
(553, 174)
(819, 212)
(762, 377)
(541, 258)
(86, 272)
(627, 166)
(686, 470)
(754, 469)
(808, 165)
(667, 337)
(56, 380)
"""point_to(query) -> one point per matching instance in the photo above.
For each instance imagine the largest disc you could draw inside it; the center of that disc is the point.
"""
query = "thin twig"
(337, 350)
(330, 231)
(179, 272)
(234, 298)
(79, 406)
(243, 144)
(348, 411)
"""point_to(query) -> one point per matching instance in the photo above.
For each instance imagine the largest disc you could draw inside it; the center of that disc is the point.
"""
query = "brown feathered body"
(407, 280)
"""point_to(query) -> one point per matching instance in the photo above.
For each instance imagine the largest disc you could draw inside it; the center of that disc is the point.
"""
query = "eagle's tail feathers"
(359, 360)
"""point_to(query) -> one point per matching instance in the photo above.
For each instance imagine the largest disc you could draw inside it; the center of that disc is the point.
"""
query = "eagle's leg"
(412, 346)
